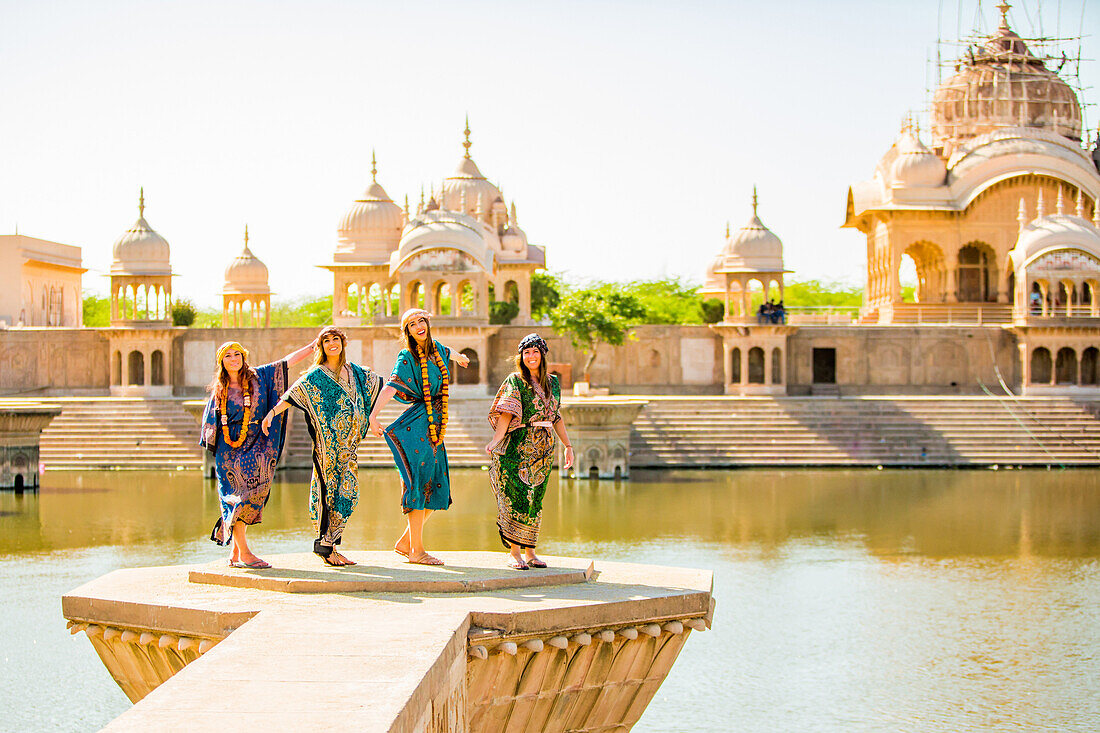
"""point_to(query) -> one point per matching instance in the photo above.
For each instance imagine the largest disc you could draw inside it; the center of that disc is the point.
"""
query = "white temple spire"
(1021, 214)
(1079, 210)
(1059, 204)
(1040, 209)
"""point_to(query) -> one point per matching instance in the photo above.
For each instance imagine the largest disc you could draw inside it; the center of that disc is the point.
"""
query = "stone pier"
(389, 646)
(21, 426)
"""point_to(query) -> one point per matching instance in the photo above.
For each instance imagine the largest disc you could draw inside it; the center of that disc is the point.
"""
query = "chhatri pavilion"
(992, 208)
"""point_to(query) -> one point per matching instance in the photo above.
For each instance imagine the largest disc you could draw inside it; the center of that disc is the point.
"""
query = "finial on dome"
(466, 143)
(245, 237)
(420, 208)
(1004, 7)
(754, 201)
(1079, 210)
(1040, 210)
(1021, 214)
(1059, 204)
(406, 206)
(727, 229)
(373, 167)
(512, 215)
(141, 202)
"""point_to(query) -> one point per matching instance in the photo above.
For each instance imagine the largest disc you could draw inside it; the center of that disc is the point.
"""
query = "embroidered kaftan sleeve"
(271, 383)
(208, 430)
(369, 385)
(509, 401)
(405, 379)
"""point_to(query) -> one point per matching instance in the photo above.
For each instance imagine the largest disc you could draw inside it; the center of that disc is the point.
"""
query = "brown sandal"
(424, 559)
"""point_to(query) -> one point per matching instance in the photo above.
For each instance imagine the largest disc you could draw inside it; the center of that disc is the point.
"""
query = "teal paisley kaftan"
(425, 481)
(521, 464)
(336, 411)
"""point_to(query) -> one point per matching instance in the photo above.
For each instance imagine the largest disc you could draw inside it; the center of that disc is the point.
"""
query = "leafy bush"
(713, 310)
(501, 312)
(183, 312)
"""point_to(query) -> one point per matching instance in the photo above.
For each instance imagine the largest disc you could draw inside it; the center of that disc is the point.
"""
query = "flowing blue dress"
(244, 473)
(425, 481)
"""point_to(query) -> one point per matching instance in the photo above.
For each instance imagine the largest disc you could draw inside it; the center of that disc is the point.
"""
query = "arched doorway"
(1065, 366)
(735, 366)
(156, 367)
(1040, 366)
(136, 365)
(472, 373)
(976, 282)
(1088, 365)
(756, 365)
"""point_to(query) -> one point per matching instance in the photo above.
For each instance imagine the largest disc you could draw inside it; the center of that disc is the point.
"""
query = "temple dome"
(467, 183)
(1055, 232)
(246, 273)
(1002, 84)
(915, 165)
(141, 250)
(371, 228)
(752, 248)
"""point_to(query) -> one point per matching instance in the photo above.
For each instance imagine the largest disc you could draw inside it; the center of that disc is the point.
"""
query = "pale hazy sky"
(627, 133)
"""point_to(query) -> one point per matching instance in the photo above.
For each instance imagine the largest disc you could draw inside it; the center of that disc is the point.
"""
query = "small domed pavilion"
(246, 296)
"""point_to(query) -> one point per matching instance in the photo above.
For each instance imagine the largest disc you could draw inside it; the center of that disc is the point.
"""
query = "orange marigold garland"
(435, 434)
(245, 387)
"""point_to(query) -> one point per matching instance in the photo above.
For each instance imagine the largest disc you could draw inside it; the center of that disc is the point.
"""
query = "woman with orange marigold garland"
(420, 379)
(244, 456)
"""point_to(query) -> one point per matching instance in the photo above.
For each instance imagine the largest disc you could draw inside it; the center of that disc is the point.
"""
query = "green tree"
(594, 315)
(312, 311)
(667, 300)
(183, 312)
(822, 293)
(713, 310)
(97, 311)
(545, 294)
(501, 312)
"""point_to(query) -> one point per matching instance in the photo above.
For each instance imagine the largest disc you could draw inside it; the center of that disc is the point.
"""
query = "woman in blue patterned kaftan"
(420, 379)
(336, 398)
(244, 456)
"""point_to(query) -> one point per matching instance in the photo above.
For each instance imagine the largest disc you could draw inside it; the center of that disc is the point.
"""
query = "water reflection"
(847, 600)
(936, 514)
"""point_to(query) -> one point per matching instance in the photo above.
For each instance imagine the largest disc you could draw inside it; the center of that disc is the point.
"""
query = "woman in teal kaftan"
(420, 379)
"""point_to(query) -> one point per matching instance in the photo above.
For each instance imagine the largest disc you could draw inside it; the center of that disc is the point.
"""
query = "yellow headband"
(412, 313)
(229, 346)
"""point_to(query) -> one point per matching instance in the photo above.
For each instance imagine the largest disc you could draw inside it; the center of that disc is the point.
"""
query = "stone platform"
(389, 646)
(388, 573)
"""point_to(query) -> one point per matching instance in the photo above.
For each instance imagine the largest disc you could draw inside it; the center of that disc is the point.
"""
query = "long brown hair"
(319, 356)
(219, 385)
(544, 374)
(410, 340)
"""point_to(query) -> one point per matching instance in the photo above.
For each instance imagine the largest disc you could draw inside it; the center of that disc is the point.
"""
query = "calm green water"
(847, 600)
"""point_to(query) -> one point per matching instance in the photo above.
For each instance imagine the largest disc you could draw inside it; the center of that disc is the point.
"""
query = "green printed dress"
(337, 412)
(521, 464)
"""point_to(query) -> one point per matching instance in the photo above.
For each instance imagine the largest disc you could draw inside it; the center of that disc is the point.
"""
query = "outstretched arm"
(384, 398)
(296, 356)
(276, 410)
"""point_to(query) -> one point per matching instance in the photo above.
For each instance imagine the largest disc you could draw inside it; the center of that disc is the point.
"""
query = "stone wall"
(905, 359)
(54, 361)
(661, 360)
(680, 360)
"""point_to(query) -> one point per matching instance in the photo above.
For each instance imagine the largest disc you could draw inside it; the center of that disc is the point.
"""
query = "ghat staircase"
(869, 431)
(100, 433)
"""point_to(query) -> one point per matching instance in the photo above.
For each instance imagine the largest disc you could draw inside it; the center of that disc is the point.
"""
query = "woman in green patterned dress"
(525, 417)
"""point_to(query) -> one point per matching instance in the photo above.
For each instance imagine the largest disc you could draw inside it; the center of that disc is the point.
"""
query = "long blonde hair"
(319, 356)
